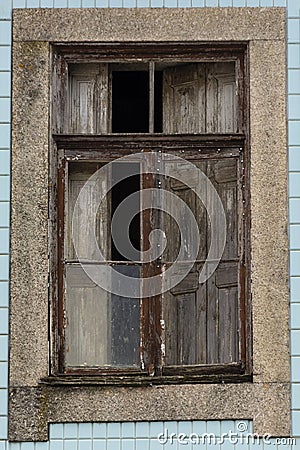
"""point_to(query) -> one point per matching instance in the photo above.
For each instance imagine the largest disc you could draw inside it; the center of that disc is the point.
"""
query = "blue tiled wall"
(135, 436)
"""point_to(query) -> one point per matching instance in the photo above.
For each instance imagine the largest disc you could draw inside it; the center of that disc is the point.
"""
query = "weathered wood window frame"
(86, 147)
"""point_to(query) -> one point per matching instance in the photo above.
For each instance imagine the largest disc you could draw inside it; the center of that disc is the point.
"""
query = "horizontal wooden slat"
(227, 275)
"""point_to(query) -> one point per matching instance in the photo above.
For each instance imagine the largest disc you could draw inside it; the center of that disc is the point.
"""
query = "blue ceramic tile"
(295, 237)
(209, 3)
(213, 426)
(14, 446)
(3, 427)
(5, 32)
(294, 158)
(3, 348)
(295, 369)
(60, 3)
(293, 56)
(132, 3)
(295, 396)
(228, 426)
(293, 8)
(155, 445)
(5, 84)
(142, 429)
(142, 444)
(113, 444)
(252, 3)
(185, 426)
(5, 9)
(293, 30)
(70, 430)
(4, 240)
(143, 3)
(74, 3)
(170, 427)
(56, 445)
(296, 423)
(184, 3)
(42, 446)
(5, 58)
(4, 162)
(295, 263)
(47, 3)
(88, 3)
(27, 446)
(264, 3)
(32, 3)
(295, 289)
(4, 188)
(294, 210)
(3, 445)
(295, 342)
(155, 429)
(279, 2)
(99, 430)
(294, 133)
(115, 3)
(294, 81)
(3, 402)
(4, 266)
(85, 444)
(5, 110)
(99, 444)
(199, 427)
(19, 3)
(170, 3)
(4, 136)
(128, 429)
(226, 445)
(294, 106)
(198, 3)
(128, 444)
(295, 316)
(3, 294)
(85, 430)
(56, 431)
(225, 3)
(114, 430)
(102, 3)
(3, 320)
(3, 374)
(71, 444)
(294, 184)
(239, 3)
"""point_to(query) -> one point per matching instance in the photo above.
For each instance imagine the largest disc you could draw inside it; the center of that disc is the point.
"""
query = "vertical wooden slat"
(87, 306)
(221, 98)
(184, 99)
(223, 284)
(88, 98)
(151, 96)
(151, 327)
(59, 95)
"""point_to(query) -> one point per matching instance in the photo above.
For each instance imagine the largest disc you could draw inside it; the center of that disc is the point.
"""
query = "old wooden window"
(163, 101)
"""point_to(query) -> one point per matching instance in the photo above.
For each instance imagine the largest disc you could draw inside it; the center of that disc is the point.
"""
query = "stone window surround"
(266, 400)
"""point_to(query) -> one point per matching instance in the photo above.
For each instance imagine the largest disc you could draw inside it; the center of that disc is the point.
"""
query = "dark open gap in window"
(120, 191)
(130, 102)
